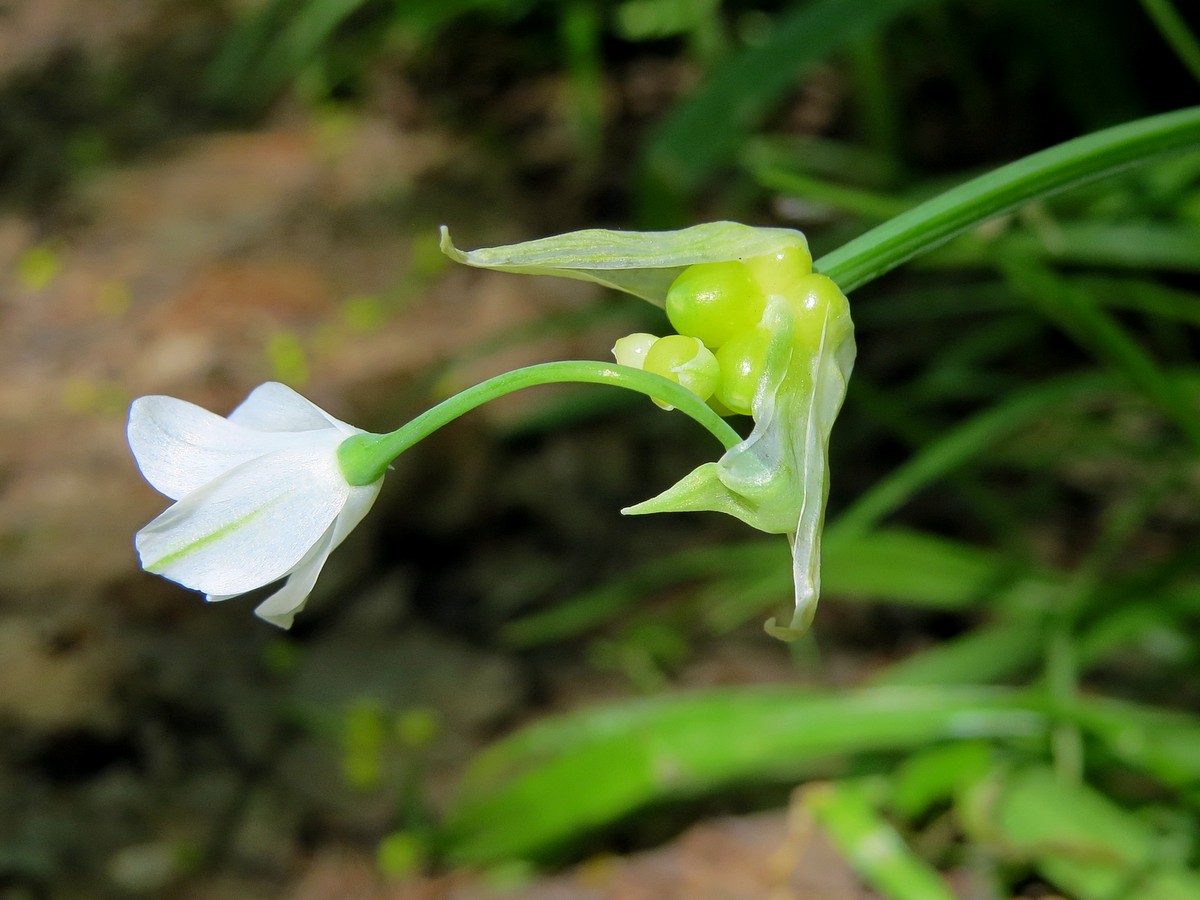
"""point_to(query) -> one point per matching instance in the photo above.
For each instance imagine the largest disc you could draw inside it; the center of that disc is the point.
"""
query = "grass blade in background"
(1170, 247)
(869, 842)
(964, 443)
(1174, 29)
(1100, 334)
(577, 615)
(690, 146)
(983, 656)
(612, 761)
(1164, 744)
(271, 46)
(1074, 837)
(891, 564)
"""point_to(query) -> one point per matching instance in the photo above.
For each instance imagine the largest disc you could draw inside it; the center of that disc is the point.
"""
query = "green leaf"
(983, 656)
(933, 776)
(892, 565)
(562, 778)
(1043, 174)
(1075, 837)
(706, 130)
(1125, 245)
(1174, 29)
(1162, 743)
(1090, 326)
(965, 443)
(870, 844)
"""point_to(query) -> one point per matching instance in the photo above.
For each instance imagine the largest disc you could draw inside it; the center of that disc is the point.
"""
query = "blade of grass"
(1164, 744)
(703, 133)
(894, 565)
(859, 202)
(962, 444)
(591, 609)
(821, 156)
(1101, 335)
(1172, 247)
(1142, 296)
(1174, 29)
(984, 656)
(928, 778)
(1156, 626)
(1075, 837)
(870, 844)
(614, 760)
(1043, 174)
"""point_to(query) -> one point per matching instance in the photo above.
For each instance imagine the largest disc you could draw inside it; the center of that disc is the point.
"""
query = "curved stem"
(365, 457)
(1049, 172)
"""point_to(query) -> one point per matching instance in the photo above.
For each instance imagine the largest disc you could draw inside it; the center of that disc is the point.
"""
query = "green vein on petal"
(158, 566)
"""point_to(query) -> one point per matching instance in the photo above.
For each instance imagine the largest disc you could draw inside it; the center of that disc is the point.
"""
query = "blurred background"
(197, 196)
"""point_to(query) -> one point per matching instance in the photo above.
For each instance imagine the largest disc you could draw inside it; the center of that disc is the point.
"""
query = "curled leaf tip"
(447, 246)
(784, 632)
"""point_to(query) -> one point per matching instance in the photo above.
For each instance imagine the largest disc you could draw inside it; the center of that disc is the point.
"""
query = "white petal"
(358, 504)
(250, 526)
(281, 607)
(180, 447)
(276, 407)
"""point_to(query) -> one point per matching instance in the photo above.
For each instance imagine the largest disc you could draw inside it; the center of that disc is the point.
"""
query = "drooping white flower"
(259, 496)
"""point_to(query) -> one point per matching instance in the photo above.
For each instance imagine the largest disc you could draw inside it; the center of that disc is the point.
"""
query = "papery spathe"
(259, 495)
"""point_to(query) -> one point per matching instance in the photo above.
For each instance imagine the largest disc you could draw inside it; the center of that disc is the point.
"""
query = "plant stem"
(1049, 172)
(365, 457)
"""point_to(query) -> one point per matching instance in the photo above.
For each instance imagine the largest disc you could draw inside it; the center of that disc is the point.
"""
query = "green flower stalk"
(759, 333)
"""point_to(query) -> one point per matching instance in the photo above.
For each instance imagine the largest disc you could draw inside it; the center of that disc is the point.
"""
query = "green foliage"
(1040, 175)
(532, 793)
(1034, 362)
(1077, 838)
(743, 88)
(1071, 356)
(326, 42)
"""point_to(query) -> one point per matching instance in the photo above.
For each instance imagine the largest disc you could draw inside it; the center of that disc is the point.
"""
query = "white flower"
(259, 496)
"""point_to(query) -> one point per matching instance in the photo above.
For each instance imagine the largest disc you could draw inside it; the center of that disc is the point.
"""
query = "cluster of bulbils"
(717, 308)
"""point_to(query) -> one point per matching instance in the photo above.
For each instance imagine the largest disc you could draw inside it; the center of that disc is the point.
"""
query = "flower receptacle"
(361, 459)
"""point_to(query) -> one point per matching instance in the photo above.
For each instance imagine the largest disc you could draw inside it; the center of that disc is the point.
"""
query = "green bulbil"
(821, 311)
(715, 301)
(742, 361)
(792, 351)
